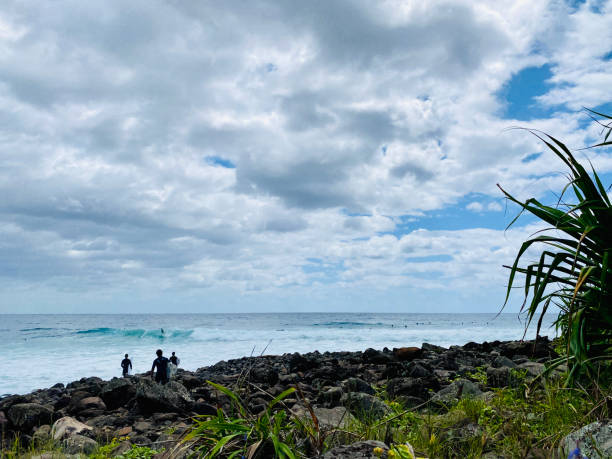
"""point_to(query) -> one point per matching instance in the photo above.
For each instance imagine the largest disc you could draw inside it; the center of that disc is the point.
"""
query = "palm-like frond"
(573, 271)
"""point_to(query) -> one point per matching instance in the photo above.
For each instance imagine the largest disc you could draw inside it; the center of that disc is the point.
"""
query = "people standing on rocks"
(126, 365)
(174, 359)
(161, 363)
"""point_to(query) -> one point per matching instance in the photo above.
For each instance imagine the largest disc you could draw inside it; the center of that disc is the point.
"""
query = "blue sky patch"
(520, 92)
(218, 161)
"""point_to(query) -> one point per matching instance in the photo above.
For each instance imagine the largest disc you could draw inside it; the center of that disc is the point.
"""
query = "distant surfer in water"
(126, 365)
(161, 363)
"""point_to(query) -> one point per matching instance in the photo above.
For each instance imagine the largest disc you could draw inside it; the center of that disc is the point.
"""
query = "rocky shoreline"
(336, 385)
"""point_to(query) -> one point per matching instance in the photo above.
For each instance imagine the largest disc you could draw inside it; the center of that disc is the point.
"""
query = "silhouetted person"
(126, 365)
(161, 363)
(174, 359)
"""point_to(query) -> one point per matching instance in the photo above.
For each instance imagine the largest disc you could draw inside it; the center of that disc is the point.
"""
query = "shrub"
(573, 271)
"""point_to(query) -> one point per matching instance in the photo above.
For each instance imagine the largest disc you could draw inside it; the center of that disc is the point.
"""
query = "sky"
(284, 156)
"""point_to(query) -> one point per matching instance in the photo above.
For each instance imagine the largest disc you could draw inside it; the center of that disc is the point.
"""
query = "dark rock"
(456, 390)
(433, 348)
(407, 353)
(118, 392)
(359, 450)
(11, 400)
(408, 401)
(503, 361)
(297, 362)
(498, 377)
(331, 397)
(91, 403)
(93, 385)
(152, 397)
(41, 435)
(204, 408)
(416, 370)
(357, 385)
(265, 375)
(24, 416)
(364, 406)
(416, 387)
(190, 381)
(3, 422)
(373, 356)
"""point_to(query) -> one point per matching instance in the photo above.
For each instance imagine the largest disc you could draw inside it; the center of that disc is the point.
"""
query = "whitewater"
(39, 351)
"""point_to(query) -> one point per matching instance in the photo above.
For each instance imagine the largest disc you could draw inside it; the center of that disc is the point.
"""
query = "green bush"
(573, 271)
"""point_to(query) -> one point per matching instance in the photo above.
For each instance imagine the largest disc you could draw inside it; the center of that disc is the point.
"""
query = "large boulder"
(373, 356)
(67, 426)
(594, 440)
(359, 450)
(91, 403)
(152, 397)
(24, 416)
(118, 392)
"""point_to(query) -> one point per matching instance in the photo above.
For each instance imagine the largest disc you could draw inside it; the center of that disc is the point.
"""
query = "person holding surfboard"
(126, 365)
(161, 363)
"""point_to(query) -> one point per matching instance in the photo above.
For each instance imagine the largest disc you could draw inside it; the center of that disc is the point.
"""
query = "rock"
(204, 408)
(415, 387)
(503, 361)
(263, 374)
(117, 392)
(416, 370)
(42, 435)
(329, 418)
(357, 385)
(597, 434)
(373, 356)
(79, 444)
(67, 426)
(432, 348)
(408, 401)
(498, 377)
(24, 416)
(456, 390)
(123, 431)
(152, 397)
(534, 369)
(331, 397)
(407, 353)
(359, 450)
(3, 421)
(297, 362)
(365, 406)
(143, 426)
(90, 403)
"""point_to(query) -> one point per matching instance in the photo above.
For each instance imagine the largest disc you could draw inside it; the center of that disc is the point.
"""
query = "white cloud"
(341, 125)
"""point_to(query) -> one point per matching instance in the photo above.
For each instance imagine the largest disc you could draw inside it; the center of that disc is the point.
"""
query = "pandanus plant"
(573, 271)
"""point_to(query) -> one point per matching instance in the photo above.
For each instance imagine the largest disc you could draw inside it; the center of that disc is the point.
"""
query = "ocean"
(39, 351)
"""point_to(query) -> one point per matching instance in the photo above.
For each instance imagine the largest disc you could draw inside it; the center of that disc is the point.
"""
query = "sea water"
(39, 351)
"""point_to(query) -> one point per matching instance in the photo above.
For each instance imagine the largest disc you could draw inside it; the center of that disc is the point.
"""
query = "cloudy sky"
(174, 156)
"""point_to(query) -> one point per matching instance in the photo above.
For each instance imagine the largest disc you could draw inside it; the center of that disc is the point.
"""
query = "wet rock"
(357, 385)
(359, 450)
(67, 426)
(594, 440)
(152, 397)
(365, 406)
(117, 392)
(407, 353)
(24, 416)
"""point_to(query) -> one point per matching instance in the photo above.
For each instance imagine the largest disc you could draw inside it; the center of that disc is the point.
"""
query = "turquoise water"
(41, 350)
